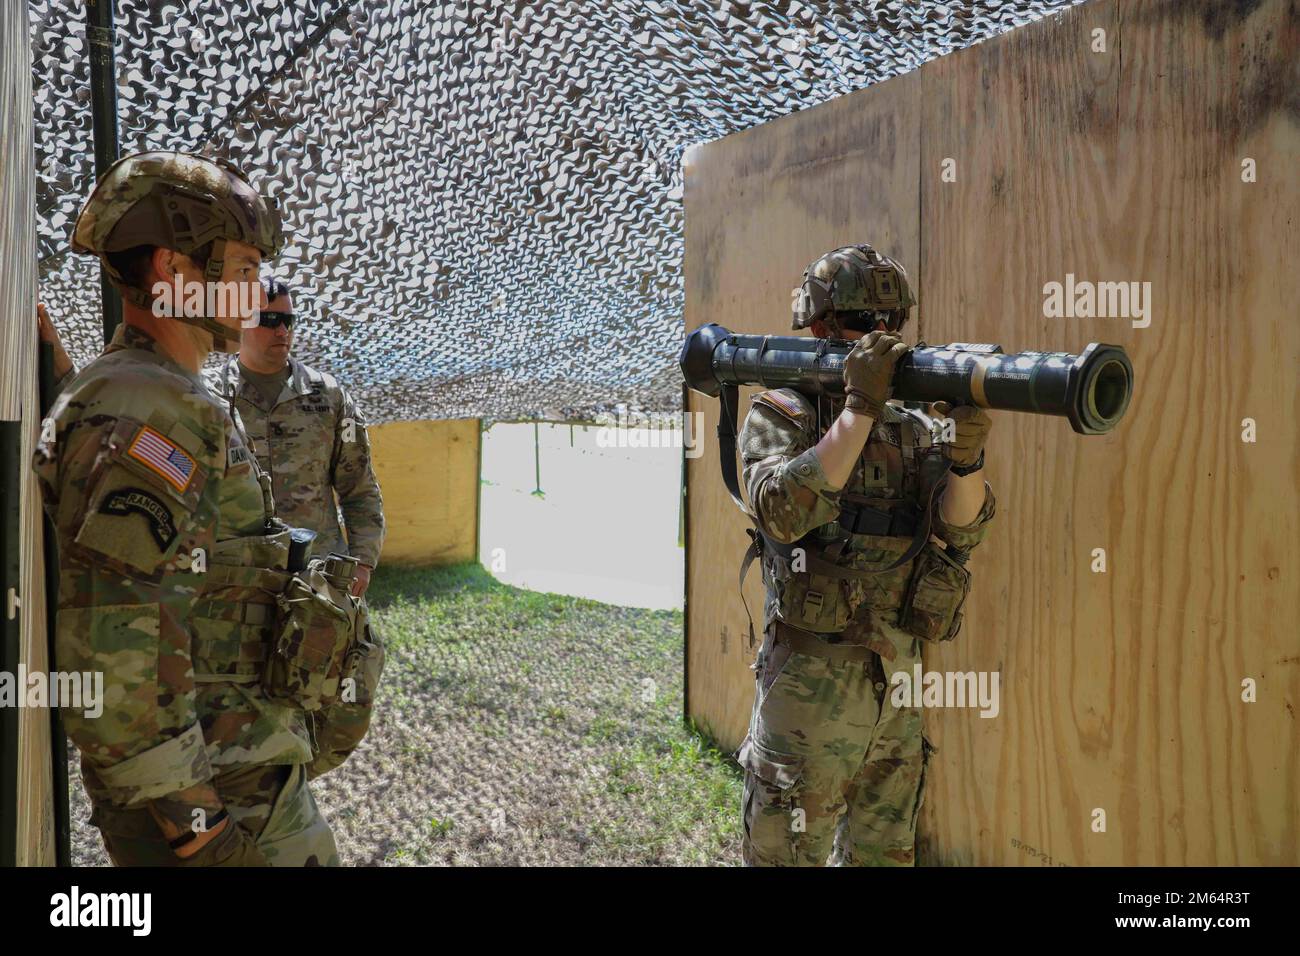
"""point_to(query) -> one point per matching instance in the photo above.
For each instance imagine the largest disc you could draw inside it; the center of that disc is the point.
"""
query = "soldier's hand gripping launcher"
(1091, 389)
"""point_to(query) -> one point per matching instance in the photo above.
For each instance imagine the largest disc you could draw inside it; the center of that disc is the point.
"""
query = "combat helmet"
(177, 201)
(858, 285)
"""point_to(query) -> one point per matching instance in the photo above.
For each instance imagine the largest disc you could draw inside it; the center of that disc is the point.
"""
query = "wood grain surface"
(19, 403)
(428, 473)
(760, 205)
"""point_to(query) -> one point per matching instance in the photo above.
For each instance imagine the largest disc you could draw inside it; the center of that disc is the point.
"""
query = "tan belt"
(818, 645)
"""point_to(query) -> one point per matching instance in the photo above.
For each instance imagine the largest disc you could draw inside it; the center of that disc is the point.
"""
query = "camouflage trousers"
(273, 803)
(833, 769)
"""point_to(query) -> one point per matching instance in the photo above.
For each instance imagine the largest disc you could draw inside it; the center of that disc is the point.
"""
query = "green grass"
(561, 713)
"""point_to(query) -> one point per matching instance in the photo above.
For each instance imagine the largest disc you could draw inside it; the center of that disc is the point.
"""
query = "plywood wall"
(23, 610)
(760, 205)
(1121, 691)
(429, 476)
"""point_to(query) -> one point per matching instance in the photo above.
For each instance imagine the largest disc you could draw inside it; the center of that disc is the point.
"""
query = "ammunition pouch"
(233, 616)
(818, 595)
(317, 621)
(936, 594)
(295, 628)
(364, 663)
(810, 600)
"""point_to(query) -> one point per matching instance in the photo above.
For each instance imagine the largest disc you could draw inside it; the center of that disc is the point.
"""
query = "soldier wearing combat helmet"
(864, 520)
(168, 545)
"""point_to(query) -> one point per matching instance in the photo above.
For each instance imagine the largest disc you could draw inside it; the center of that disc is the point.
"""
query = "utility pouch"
(338, 729)
(364, 662)
(814, 602)
(935, 595)
(263, 551)
(315, 625)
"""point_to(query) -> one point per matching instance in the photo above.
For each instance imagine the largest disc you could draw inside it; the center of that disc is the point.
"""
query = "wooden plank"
(760, 205)
(18, 403)
(1123, 689)
(428, 472)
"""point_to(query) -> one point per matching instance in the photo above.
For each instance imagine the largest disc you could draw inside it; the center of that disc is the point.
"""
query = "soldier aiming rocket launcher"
(1091, 389)
(857, 288)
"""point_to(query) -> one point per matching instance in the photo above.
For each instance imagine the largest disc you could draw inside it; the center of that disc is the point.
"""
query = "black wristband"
(963, 471)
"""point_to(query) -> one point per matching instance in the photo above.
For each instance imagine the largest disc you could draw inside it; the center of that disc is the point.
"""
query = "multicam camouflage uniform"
(171, 559)
(312, 441)
(831, 762)
(144, 467)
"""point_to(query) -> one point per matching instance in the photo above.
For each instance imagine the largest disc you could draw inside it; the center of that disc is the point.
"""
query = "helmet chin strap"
(224, 338)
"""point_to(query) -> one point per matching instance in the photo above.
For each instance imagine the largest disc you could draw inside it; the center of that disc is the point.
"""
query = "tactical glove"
(869, 371)
(972, 427)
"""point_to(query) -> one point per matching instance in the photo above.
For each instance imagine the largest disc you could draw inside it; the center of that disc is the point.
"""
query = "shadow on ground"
(520, 728)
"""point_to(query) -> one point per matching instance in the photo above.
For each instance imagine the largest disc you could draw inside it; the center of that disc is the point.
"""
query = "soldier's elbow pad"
(781, 535)
(967, 537)
(784, 518)
(175, 764)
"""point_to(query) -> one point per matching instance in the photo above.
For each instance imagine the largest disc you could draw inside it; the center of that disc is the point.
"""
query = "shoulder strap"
(728, 416)
(754, 550)
(262, 475)
(227, 387)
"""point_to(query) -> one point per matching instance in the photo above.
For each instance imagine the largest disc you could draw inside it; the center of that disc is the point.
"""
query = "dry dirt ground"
(518, 728)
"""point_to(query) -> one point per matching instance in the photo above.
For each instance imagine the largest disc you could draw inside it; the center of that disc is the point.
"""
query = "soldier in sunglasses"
(307, 433)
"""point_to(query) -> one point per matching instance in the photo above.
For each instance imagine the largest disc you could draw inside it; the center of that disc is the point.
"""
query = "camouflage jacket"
(314, 444)
(64, 380)
(791, 498)
(142, 473)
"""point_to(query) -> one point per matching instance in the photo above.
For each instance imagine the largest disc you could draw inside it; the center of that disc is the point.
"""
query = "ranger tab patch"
(125, 501)
(163, 457)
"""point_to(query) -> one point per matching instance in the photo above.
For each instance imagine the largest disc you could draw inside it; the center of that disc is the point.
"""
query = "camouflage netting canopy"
(484, 197)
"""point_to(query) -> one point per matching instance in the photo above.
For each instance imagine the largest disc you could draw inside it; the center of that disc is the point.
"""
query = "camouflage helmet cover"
(176, 201)
(852, 281)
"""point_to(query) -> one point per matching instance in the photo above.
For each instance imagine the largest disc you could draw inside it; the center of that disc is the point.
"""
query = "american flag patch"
(163, 457)
(783, 404)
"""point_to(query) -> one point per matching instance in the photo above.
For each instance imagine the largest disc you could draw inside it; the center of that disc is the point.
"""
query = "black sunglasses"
(273, 320)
